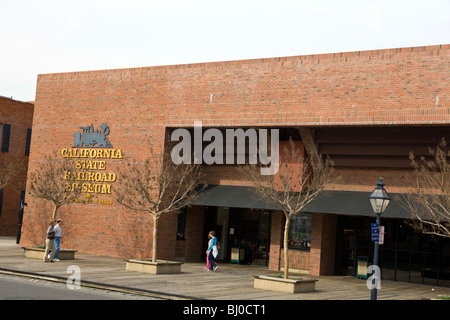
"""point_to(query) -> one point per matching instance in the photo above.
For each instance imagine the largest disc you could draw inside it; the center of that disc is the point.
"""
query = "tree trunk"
(155, 236)
(285, 245)
(55, 208)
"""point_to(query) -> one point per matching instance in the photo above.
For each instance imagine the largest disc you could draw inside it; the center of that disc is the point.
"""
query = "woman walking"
(212, 251)
(207, 255)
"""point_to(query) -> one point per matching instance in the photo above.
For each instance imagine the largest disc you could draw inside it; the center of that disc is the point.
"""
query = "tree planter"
(158, 267)
(38, 253)
(284, 285)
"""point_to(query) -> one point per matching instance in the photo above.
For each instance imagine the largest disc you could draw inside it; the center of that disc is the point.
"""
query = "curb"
(96, 285)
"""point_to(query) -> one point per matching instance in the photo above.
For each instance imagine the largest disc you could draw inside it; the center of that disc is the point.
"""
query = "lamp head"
(379, 199)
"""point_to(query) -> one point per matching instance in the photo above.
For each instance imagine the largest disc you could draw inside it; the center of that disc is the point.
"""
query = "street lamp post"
(379, 199)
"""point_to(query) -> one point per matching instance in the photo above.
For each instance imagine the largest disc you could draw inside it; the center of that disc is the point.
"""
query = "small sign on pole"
(375, 232)
(381, 236)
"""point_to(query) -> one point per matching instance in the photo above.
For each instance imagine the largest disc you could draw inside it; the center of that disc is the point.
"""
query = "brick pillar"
(194, 232)
(167, 236)
(276, 240)
(323, 244)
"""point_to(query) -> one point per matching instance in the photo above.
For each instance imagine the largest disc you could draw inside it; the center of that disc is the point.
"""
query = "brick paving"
(229, 282)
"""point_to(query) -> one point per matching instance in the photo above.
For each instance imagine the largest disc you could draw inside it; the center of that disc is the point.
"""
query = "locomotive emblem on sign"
(92, 138)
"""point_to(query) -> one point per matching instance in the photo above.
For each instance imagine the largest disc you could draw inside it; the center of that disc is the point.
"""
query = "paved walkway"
(229, 282)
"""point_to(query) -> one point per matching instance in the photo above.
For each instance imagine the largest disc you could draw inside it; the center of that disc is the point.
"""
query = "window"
(181, 224)
(5, 130)
(28, 143)
(1, 201)
(300, 231)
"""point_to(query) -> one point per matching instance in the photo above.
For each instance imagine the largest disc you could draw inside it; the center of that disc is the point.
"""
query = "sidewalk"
(229, 282)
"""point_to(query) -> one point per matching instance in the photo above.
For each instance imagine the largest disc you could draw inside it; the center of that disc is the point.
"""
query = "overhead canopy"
(330, 201)
(355, 203)
(233, 196)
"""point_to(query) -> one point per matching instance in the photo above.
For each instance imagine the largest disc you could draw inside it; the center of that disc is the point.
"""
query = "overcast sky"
(49, 36)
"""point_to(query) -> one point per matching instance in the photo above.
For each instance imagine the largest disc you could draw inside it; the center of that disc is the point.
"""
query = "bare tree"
(10, 167)
(53, 180)
(299, 180)
(429, 203)
(158, 188)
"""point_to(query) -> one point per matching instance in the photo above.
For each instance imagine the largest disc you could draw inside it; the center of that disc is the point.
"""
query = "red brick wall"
(364, 179)
(298, 259)
(20, 116)
(398, 86)
(320, 259)
(407, 86)
(323, 244)
(276, 240)
(194, 233)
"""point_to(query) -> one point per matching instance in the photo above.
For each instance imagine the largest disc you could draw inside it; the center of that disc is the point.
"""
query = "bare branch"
(299, 181)
(53, 181)
(10, 167)
(429, 202)
(157, 188)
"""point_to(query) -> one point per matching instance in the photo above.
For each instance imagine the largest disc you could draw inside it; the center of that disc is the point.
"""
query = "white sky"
(48, 36)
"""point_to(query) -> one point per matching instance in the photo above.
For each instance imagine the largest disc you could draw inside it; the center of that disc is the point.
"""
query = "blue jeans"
(57, 246)
(212, 263)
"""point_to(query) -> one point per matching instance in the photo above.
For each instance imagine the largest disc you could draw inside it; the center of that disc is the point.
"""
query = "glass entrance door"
(249, 230)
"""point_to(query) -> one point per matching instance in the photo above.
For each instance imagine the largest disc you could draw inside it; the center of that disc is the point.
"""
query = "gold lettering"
(90, 176)
(101, 165)
(118, 154)
(99, 177)
(106, 188)
(86, 181)
(92, 153)
(96, 188)
(67, 175)
(84, 153)
(91, 165)
(105, 202)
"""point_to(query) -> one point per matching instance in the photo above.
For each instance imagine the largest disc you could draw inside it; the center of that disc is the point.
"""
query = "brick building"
(16, 119)
(366, 110)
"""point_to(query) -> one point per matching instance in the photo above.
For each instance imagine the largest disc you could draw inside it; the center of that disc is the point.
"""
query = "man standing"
(49, 242)
(58, 235)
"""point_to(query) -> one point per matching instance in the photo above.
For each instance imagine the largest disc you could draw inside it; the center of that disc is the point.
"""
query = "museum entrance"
(243, 234)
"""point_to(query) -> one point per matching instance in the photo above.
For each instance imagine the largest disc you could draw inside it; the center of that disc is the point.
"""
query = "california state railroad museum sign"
(91, 151)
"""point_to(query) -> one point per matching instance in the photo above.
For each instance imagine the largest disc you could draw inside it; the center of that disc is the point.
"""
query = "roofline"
(307, 57)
